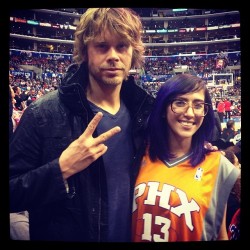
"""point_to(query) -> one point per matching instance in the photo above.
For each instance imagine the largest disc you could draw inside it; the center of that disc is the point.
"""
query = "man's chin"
(114, 81)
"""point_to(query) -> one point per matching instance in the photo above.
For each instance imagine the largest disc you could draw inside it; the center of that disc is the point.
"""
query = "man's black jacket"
(47, 127)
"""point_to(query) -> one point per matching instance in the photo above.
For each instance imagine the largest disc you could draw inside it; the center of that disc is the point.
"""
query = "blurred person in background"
(227, 109)
(221, 110)
(234, 200)
(229, 132)
(19, 104)
(11, 102)
(217, 128)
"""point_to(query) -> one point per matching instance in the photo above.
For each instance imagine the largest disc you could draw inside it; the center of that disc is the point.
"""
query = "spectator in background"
(234, 200)
(11, 103)
(236, 150)
(19, 222)
(217, 125)
(33, 94)
(229, 133)
(19, 104)
(221, 110)
(234, 226)
(227, 109)
(14, 113)
(25, 95)
(232, 157)
(217, 128)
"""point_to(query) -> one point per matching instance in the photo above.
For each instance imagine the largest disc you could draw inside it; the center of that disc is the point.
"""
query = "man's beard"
(105, 80)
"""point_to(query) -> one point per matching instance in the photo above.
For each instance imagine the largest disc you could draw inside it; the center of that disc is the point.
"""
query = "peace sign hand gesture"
(86, 149)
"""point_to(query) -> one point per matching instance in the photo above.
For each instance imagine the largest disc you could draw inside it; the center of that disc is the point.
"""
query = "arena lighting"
(175, 10)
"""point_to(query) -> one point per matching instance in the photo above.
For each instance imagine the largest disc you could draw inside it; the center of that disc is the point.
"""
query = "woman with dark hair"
(181, 190)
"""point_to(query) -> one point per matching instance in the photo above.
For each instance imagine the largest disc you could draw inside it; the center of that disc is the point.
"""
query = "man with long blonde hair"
(72, 155)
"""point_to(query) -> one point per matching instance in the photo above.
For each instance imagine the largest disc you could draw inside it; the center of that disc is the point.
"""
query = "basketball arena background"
(204, 42)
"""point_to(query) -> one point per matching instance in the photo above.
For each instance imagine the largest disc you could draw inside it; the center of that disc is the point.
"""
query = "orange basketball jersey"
(174, 201)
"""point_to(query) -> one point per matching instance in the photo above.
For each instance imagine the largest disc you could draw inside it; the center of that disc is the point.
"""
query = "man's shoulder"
(48, 100)
(48, 109)
(138, 84)
(74, 72)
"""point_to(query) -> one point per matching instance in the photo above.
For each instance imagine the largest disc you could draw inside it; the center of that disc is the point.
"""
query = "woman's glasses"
(179, 106)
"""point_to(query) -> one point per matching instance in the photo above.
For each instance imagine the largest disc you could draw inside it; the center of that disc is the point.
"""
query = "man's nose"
(112, 54)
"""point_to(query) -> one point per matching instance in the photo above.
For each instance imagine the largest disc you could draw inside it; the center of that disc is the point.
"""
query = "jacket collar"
(72, 91)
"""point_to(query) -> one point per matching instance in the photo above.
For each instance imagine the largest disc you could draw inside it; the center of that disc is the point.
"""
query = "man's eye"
(123, 46)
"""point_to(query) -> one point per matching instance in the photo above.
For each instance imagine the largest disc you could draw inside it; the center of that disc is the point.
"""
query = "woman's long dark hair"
(157, 128)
